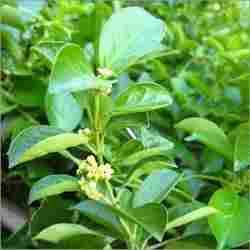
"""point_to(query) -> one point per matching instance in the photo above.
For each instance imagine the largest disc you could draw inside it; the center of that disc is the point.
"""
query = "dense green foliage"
(128, 123)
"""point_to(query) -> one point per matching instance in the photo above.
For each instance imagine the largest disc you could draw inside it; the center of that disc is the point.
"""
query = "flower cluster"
(90, 174)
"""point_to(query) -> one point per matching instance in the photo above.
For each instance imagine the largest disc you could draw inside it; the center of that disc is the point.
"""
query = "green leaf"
(190, 217)
(12, 16)
(38, 141)
(142, 97)
(34, 7)
(187, 244)
(231, 225)
(135, 158)
(125, 150)
(29, 92)
(208, 133)
(52, 185)
(149, 167)
(101, 214)
(66, 231)
(71, 72)
(155, 187)
(241, 148)
(151, 217)
(48, 50)
(127, 36)
(63, 111)
(53, 210)
(6, 107)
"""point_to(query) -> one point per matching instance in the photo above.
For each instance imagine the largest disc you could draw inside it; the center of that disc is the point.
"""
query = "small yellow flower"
(92, 172)
(85, 131)
(91, 191)
(92, 161)
(106, 171)
(105, 72)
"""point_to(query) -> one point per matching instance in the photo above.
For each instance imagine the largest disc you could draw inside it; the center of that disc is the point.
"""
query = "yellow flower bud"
(92, 161)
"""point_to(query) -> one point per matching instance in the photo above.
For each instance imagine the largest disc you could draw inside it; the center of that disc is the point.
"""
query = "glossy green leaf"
(66, 231)
(151, 217)
(149, 167)
(190, 217)
(155, 187)
(136, 157)
(142, 97)
(63, 111)
(38, 141)
(127, 36)
(12, 16)
(52, 185)
(70, 72)
(230, 226)
(101, 214)
(208, 133)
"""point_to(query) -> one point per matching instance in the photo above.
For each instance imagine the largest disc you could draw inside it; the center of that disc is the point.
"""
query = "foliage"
(128, 122)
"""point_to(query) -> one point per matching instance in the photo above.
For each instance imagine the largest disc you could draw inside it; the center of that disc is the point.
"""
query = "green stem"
(117, 5)
(68, 155)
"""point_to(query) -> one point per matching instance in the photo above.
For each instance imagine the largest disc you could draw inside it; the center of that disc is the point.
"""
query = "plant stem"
(68, 155)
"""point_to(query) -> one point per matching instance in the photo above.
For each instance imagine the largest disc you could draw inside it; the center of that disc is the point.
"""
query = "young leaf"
(67, 231)
(70, 72)
(155, 187)
(208, 133)
(63, 111)
(52, 185)
(142, 97)
(231, 225)
(38, 141)
(190, 217)
(127, 36)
